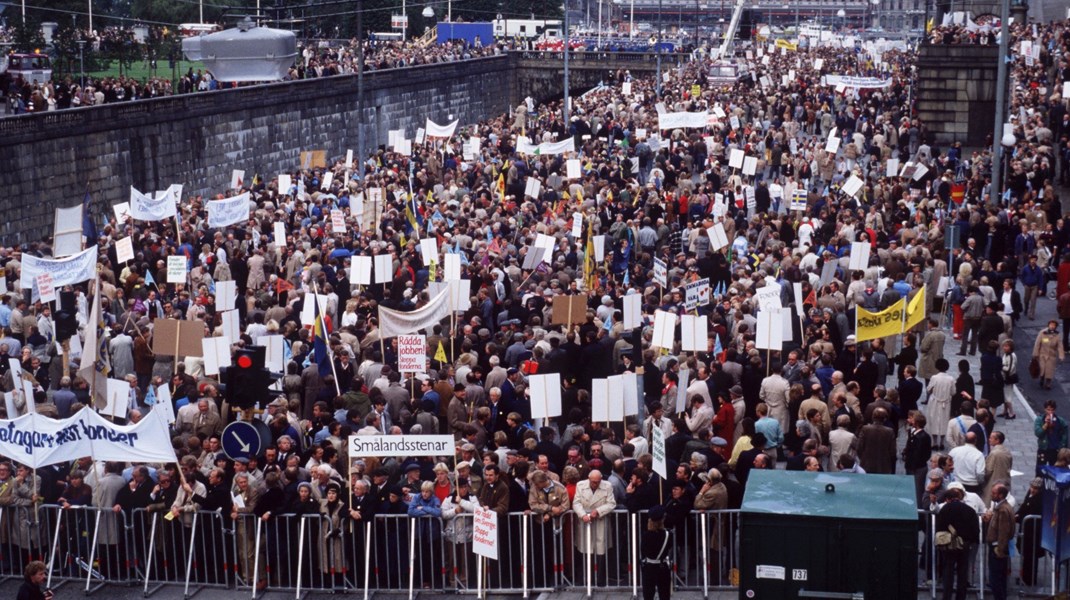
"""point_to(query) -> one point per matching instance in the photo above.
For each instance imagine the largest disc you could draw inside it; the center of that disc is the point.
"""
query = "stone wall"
(956, 92)
(49, 159)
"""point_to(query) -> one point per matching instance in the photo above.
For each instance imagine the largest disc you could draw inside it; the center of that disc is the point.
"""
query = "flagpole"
(326, 342)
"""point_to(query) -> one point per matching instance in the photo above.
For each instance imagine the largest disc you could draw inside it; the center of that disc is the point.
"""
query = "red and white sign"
(412, 353)
(45, 287)
(485, 533)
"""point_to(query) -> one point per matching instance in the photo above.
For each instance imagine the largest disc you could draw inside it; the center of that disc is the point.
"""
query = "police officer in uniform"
(656, 551)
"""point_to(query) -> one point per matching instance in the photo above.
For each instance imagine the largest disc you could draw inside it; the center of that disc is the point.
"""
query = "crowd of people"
(827, 400)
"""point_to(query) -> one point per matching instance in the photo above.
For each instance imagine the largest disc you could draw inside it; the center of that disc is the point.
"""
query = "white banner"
(393, 323)
(222, 213)
(524, 146)
(65, 271)
(682, 120)
(38, 441)
(432, 129)
(398, 445)
(144, 208)
(869, 83)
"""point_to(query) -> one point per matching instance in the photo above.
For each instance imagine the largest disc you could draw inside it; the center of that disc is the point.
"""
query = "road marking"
(1025, 405)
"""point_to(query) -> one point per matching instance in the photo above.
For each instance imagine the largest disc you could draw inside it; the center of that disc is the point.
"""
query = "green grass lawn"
(141, 70)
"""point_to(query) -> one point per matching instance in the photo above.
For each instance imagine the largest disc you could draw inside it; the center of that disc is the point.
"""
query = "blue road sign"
(240, 440)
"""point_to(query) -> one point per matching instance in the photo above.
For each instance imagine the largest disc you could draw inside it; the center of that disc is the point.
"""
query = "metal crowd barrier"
(931, 563)
(20, 540)
(194, 550)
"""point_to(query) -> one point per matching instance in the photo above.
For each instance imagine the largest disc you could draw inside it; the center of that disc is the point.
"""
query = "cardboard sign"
(599, 248)
(122, 212)
(693, 333)
(633, 311)
(314, 159)
(661, 273)
(664, 329)
(485, 533)
(859, 256)
(412, 353)
(735, 158)
(237, 179)
(176, 269)
(798, 200)
(279, 229)
(697, 293)
(600, 400)
(338, 221)
(124, 249)
(768, 296)
(572, 169)
(569, 309)
(718, 237)
(451, 264)
(171, 337)
(657, 451)
(631, 393)
(384, 268)
(429, 250)
(360, 270)
(216, 354)
(577, 224)
(231, 326)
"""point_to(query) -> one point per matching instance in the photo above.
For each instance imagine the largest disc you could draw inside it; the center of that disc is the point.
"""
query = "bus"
(527, 28)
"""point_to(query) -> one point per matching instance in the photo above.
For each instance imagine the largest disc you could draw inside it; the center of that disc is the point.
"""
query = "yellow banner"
(782, 43)
(873, 325)
(916, 309)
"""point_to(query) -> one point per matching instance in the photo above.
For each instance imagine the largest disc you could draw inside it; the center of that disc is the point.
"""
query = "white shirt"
(969, 464)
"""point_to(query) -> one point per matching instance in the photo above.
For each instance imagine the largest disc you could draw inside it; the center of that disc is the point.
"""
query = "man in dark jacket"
(955, 514)
(876, 445)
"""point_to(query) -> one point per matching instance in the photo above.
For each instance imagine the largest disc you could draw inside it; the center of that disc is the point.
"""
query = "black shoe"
(960, 354)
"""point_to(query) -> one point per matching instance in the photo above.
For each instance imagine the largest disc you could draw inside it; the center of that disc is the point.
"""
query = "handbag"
(1034, 368)
(949, 540)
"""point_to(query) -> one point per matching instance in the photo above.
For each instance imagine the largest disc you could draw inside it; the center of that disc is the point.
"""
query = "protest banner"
(545, 395)
(38, 441)
(412, 353)
(916, 309)
(172, 337)
(383, 446)
(393, 323)
(485, 533)
(176, 269)
(65, 271)
(144, 208)
(873, 325)
(230, 211)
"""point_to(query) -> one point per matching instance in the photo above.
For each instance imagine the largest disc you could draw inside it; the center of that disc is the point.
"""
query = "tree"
(27, 36)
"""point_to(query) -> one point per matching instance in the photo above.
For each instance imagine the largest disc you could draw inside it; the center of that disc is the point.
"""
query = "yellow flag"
(440, 354)
(873, 325)
(916, 309)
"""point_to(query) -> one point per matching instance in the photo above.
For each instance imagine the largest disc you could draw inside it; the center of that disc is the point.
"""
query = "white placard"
(485, 533)
(599, 248)
(176, 269)
(832, 145)
(769, 330)
(693, 333)
(328, 178)
(577, 224)
(362, 446)
(216, 354)
(429, 250)
(545, 395)
(859, 256)
(796, 288)
(124, 249)
(384, 268)
(852, 186)
(532, 188)
(892, 169)
(661, 273)
(226, 295)
(122, 212)
(163, 403)
(600, 400)
(573, 169)
(633, 311)
(231, 326)
(237, 179)
(285, 183)
(615, 389)
(664, 329)
(360, 270)
(768, 296)
(920, 172)
(681, 390)
(9, 404)
(45, 288)
(118, 394)
(308, 309)
(657, 451)
(718, 237)
(631, 393)
(412, 353)
(735, 158)
(338, 221)
(451, 267)
(750, 165)
(546, 243)
(818, 63)
(280, 234)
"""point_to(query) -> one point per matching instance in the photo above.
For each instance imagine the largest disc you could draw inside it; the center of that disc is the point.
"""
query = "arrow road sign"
(241, 440)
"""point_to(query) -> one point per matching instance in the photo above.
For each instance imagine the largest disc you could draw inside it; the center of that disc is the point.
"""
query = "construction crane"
(733, 26)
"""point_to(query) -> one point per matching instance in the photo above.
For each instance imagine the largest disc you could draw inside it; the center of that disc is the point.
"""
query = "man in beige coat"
(593, 503)
(997, 464)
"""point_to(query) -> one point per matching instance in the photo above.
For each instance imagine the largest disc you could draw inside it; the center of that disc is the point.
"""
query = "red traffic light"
(245, 361)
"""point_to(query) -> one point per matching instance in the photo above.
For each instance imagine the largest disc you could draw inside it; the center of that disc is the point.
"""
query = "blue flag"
(148, 278)
(717, 349)
(150, 396)
(319, 330)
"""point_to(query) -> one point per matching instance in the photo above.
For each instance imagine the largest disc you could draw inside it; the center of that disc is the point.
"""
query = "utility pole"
(657, 53)
(360, 90)
(1001, 104)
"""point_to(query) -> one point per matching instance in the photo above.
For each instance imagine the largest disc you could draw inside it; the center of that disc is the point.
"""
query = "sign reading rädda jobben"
(400, 445)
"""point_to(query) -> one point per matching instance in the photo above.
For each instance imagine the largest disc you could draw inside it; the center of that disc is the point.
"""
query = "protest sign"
(798, 200)
(569, 309)
(852, 186)
(429, 250)
(65, 271)
(338, 221)
(657, 451)
(485, 533)
(664, 329)
(859, 260)
(693, 333)
(718, 238)
(176, 269)
(216, 352)
(600, 400)
(768, 297)
(750, 165)
(572, 169)
(545, 395)
(360, 270)
(633, 311)
(382, 446)
(230, 325)
(631, 393)
(451, 267)
(145, 208)
(615, 391)
(697, 293)
(46, 288)
(223, 213)
(412, 353)
(735, 158)
(661, 273)
(124, 249)
(384, 268)
(577, 224)
(172, 336)
(599, 248)
(237, 179)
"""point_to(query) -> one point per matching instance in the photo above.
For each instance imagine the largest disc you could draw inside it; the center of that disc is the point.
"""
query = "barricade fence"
(154, 549)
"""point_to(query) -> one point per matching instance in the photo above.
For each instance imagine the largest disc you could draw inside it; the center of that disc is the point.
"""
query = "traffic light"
(246, 382)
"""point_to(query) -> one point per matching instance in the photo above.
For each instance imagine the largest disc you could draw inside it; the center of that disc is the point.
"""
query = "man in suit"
(998, 537)
(876, 445)
(997, 464)
(910, 390)
(918, 449)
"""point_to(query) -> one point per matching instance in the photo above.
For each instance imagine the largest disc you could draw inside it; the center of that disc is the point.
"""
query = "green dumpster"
(828, 535)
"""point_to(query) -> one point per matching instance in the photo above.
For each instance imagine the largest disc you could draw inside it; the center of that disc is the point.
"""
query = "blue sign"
(240, 440)
(1055, 518)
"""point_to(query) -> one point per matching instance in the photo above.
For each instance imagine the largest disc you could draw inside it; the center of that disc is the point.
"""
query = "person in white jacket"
(457, 511)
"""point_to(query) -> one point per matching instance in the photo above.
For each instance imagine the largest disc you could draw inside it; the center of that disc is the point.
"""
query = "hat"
(241, 459)
(657, 513)
(850, 341)
(1037, 482)
(412, 467)
(719, 441)
(464, 464)
(511, 371)
(936, 474)
(469, 447)
(736, 390)
(279, 402)
(334, 486)
(956, 485)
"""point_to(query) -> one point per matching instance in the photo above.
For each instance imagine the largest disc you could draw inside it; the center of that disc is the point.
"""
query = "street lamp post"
(81, 63)
(565, 51)
(657, 53)
(360, 90)
(1001, 100)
